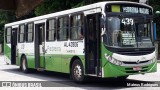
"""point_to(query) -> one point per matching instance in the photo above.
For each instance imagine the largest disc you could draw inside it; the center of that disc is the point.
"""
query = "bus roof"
(70, 11)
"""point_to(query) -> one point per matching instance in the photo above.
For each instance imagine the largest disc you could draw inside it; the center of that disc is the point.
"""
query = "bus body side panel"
(31, 61)
(112, 70)
(69, 49)
(27, 49)
(52, 62)
(19, 58)
(58, 56)
(7, 49)
(66, 61)
(53, 56)
(7, 52)
(30, 55)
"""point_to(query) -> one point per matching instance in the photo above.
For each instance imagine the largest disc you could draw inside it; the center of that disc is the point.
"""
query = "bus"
(111, 39)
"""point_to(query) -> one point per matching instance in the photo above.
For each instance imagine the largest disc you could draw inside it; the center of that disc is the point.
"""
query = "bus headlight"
(117, 62)
(113, 60)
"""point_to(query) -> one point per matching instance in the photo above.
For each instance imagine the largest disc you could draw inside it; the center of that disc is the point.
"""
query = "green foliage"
(5, 17)
(50, 6)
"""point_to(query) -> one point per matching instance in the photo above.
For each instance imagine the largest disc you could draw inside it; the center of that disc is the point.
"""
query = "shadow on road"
(63, 80)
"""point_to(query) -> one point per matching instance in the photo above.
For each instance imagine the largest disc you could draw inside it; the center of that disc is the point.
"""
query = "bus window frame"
(82, 26)
(26, 31)
(115, 14)
(68, 27)
(8, 35)
(24, 38)
(47, 29)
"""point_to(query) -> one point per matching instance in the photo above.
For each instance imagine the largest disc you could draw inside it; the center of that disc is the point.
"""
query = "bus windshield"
(132, 32)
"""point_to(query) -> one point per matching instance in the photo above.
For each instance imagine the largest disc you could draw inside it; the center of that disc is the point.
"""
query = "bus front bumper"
(111, 70)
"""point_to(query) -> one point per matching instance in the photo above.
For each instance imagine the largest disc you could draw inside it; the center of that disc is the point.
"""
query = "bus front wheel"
(24, 64)
(77, 72)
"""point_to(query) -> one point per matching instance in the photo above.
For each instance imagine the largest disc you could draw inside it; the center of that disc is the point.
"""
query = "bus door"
(40, 45)
(92, 43)
(14, 46)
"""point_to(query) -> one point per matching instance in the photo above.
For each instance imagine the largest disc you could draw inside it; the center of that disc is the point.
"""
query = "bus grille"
(130, 70)
(136, 62)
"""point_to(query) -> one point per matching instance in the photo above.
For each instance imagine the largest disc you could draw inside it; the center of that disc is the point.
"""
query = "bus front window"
(132, 32)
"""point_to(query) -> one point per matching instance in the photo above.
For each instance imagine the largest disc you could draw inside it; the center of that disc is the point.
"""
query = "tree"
(5, 17)
(50, 6)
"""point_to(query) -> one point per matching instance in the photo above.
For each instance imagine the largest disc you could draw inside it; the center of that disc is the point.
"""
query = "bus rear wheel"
(77, 72)
(24, 65)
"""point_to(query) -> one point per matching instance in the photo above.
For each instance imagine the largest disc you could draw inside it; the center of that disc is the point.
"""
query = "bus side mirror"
(103, 30)
(102, 25)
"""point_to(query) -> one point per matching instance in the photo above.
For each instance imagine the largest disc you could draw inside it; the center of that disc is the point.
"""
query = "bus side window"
(51, 30)
(29, 32)
(76, 27)
(8, 35)
(21, 33)
(62, 30)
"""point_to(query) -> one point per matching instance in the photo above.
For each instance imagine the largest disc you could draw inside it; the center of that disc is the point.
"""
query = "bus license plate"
(137, 68)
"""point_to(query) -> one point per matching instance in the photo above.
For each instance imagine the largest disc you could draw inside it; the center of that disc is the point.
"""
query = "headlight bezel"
(113, 60)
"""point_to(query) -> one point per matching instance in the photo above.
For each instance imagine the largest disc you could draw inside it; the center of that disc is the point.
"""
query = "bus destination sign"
(135, 10)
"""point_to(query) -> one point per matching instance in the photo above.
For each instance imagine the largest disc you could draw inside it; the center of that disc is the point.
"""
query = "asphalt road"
(60, 81)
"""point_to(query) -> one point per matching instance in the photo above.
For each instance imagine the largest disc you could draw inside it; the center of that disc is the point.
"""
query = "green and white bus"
(105, 39)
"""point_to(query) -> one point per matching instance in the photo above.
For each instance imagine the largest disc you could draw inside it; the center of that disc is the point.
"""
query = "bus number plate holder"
(137, 68)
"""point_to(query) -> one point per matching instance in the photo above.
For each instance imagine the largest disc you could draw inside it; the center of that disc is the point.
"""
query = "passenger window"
(51, 30)
(76, 27)
(29, 33)
(62, 28)
(21, 34)
(8, 35)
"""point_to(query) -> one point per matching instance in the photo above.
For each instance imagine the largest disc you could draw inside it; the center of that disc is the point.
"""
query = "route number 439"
(127, 21)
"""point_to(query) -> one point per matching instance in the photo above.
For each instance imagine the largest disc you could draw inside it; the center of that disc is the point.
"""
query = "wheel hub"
(24, 64)
(77, 72)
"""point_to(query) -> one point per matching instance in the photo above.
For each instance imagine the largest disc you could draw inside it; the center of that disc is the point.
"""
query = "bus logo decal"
(138, 61)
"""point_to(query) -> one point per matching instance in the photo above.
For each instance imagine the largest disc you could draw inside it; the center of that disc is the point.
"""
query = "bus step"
(40, 69)
(94, 75)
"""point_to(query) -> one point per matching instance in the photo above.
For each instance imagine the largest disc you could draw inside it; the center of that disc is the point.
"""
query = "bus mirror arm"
(45, 51)
(103, 30)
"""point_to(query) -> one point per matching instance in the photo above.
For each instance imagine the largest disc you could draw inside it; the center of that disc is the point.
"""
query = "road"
(60, 81)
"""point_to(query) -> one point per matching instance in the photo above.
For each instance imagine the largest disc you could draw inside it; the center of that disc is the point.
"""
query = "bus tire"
(24, 64)
(77, 72)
